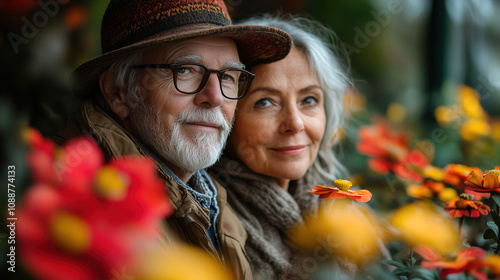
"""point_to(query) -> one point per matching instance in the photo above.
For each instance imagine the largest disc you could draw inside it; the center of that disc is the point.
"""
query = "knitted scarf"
(267, 212)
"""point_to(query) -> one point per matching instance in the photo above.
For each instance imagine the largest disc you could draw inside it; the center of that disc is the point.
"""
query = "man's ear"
(114, 96)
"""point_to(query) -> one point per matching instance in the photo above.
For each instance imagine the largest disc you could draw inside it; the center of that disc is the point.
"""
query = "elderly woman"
(281, 145)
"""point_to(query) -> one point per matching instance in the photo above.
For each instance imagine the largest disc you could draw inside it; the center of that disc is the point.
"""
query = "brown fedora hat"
(131, 25)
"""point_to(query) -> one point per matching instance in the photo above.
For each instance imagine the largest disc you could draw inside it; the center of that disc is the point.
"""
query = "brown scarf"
(267, 212)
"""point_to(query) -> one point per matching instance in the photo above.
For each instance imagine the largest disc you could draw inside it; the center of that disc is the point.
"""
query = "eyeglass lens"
(191, 78)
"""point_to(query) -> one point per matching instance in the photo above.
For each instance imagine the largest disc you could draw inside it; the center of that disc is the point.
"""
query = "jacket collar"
(116, 142)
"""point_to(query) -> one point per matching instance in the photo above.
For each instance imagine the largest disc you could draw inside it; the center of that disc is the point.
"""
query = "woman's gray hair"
(317, 43)
(126, 77)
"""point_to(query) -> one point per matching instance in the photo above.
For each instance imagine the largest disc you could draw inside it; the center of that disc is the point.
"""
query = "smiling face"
(279, 125)
(188, 131)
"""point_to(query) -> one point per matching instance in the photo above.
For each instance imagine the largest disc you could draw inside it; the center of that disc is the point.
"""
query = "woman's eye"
(310, 100)
(264, 102)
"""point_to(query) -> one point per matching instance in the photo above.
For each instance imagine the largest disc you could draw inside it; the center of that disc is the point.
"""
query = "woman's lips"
(290, 150)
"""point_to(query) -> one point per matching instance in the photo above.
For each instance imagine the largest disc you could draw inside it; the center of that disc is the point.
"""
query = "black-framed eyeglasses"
(190, 78)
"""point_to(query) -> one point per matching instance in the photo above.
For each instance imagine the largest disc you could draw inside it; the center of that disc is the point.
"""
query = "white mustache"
(213, 116)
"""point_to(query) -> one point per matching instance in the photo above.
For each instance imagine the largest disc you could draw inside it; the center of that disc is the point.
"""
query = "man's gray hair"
(127, 78)
(316, 42)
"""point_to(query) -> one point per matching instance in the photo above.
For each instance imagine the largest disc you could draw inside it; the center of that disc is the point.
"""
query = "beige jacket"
(189, 222)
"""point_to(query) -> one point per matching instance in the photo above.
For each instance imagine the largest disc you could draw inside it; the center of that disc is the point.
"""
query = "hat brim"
(256, 45)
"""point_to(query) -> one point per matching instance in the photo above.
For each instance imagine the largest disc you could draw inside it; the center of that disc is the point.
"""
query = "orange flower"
(490, 182)
(341, 190)
(493, 263)
(465, 206)
(429, 189)
(75, 17)
(456, 174)
(468, 260)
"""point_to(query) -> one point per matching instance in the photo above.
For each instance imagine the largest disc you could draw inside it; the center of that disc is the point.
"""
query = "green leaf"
(417, 272)
(493, 226)
(426, 274)
(402, 271)
(490, 234)
(393, 263)
(496, 217)
(496, 198)
(494, 246)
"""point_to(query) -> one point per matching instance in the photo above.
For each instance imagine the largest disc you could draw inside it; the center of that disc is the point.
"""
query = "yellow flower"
(110, 184)
(70, 232)
(445, 115)
(396, 112)
(469, 101)
(435, 173)
(495, 131)
(447, 194)
(419, 191)
(184, 262)
(472, 129)
(341, 228)
(420, 223)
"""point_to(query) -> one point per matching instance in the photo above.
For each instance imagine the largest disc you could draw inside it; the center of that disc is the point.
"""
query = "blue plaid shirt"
(200, 186)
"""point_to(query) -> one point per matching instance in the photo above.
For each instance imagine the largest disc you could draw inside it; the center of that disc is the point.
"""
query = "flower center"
(495, 172)
(110, 184)
(343, 184)
(70, 232)
(466, 196)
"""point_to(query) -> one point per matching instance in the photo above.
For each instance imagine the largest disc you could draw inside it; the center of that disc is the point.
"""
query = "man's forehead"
(197, 50)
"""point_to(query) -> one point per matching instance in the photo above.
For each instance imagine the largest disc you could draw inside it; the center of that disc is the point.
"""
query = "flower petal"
(474, 180)
(490, 181)
(380, 166)
(322, 190)
(427, 253)
(365, 195)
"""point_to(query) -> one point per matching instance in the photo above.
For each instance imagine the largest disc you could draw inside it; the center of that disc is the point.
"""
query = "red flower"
(391, 153)
(380, 142)
(84, 220)
(468, 260)
(341, 190)
(465, 206)
(75, 163)
(12, 12)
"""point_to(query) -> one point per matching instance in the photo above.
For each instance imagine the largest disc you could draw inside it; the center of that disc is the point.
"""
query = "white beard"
(187, 152)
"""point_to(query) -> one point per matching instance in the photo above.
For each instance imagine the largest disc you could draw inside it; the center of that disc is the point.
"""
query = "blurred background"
(431, 69)
(407, 58)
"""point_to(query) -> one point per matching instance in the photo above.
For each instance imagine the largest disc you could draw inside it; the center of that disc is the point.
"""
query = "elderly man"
(166, 86)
